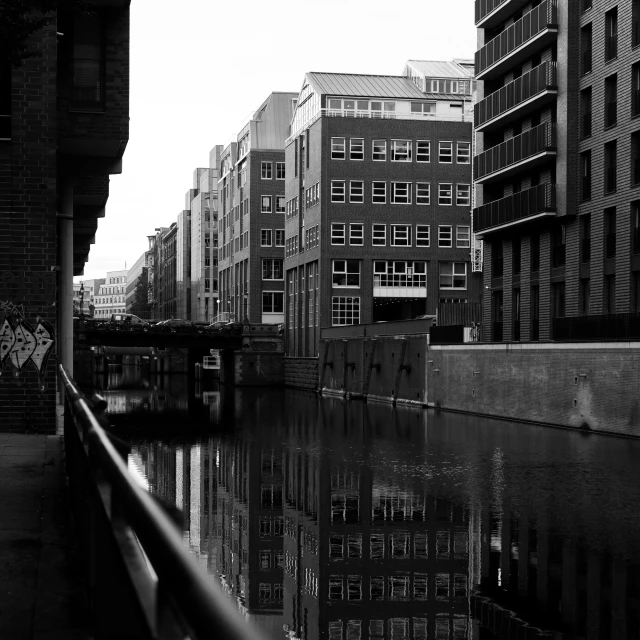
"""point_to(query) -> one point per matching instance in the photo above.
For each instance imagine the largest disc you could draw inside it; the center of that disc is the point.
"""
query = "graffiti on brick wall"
(21, 344)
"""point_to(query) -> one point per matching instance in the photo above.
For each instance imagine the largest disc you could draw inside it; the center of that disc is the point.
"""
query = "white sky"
(198, 71)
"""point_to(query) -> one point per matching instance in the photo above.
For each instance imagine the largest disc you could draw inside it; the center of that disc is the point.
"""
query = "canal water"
(324, 518)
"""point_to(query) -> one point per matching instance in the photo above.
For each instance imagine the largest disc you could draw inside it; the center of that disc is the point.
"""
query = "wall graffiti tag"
(21, 344)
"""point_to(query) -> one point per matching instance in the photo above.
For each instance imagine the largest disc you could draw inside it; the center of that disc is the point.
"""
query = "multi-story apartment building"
(557, 165)
(251, 196)
(111, 296)
(378, 199)
(64, 127)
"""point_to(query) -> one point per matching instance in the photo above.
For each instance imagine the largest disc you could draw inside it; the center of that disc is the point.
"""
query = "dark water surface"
(324, 518)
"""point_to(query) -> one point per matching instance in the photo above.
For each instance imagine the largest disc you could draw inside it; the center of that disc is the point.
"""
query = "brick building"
(378, 199)
(64, 126)
(558, 204)
(251, 195)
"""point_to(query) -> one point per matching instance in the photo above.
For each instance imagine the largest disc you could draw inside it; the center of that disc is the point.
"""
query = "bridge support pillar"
(65, 310)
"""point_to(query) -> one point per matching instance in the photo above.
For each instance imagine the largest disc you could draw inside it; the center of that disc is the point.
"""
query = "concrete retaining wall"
(301, 373)
(594, 385)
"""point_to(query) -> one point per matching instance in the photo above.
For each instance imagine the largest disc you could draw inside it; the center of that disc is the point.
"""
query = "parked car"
(127, 319)
(173, 324)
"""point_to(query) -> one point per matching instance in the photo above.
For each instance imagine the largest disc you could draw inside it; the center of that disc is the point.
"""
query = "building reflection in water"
(333, 520)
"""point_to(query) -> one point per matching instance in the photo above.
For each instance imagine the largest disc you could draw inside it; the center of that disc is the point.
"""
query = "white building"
(111, 295)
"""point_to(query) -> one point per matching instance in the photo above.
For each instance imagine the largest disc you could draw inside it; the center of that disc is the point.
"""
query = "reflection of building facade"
(111, 295)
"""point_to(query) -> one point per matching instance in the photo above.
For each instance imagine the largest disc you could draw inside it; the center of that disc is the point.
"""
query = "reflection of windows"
(379, 150)
(356, 234)
(337, 233)
(336, 547)
(346, 273)
(279, 559)
(335, 588)
(345, 310)
(278, 526)
(399, 545)
(442, 544)
(420, 630)
(420, 546)
(376, 541)
(338, 148)
(420, 586)
(354, 546)
(264, 592)
(376, 588)
(442, 586)
(278, 592)
(459, 585)
(401, 150)
(399, 587)
(379, 192)
(354, 587)
(265, 560)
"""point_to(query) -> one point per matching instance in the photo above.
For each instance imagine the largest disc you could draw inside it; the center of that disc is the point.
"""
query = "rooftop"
(443, 69)
(365, 86)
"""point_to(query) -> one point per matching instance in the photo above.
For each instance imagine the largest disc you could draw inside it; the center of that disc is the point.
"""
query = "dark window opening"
(497, 259)
(88, 62)
(611, 100)
(635, 158)
(5, 101)
(516, 257)
(585, 296)
(535, 253)
(610, 294)
(635, 222)
(557, 293)
(516, 314)
(559, 244)
(535, 313)
(611, 34)
(585, 175)
(497, 314)
(585, 112)
(586, 48)
(585, 238)
(610, 233)
(635, 23)
(610, 166)
(635, 89)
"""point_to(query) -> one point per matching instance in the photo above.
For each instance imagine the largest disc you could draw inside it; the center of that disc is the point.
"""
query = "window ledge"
(611, 126)
(611, 60)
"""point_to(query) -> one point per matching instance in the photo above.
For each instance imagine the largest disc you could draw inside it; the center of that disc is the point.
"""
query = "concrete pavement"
(41, 591)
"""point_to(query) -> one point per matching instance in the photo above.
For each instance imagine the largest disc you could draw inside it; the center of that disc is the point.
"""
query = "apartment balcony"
(521, 152)
(516, 99)
(399, 285)
(522, 207)
(535, 30)
(490, 13)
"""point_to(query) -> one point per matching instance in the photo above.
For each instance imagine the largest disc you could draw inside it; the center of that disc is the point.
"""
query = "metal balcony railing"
(517, 207)
(485, 8)
(522, 89)
(543, 17)
(615, 326)
(519, 148)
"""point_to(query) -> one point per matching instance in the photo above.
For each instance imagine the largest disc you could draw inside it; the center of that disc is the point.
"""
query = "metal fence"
(143, 583)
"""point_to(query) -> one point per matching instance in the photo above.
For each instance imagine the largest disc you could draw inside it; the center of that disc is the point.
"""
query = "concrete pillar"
(65, 300)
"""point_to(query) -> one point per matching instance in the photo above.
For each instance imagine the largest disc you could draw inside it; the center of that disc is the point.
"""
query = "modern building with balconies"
(378, 199)
(557, 209)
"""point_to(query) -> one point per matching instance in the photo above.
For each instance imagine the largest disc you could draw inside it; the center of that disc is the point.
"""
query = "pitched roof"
(366, 86)
(437, 69)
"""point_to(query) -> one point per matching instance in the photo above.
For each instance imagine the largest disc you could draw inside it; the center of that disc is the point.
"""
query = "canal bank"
(589, 386)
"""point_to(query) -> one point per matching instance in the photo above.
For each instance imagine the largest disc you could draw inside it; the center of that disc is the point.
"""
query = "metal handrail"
(202, 606)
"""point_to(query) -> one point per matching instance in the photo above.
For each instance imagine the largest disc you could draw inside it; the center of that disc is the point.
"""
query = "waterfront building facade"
(557, 167)
(378, 199)
(139, 271)
(251, 208)
(111, 296)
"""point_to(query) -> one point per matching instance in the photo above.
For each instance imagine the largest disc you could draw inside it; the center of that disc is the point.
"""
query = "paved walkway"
(41, 596)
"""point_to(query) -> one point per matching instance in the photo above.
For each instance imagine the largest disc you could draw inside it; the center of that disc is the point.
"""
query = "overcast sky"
(200, 67)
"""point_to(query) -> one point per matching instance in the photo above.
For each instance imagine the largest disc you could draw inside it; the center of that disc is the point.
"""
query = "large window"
(399, 273)
(266, 170)
(272, 269)
(635, 90)
(337, 233)
(280, 170)
(445, 236)
(585, 175)
(346, 273)
(400, 235)
(280, 204)
(265, 204)
(611, 100)
(356, 149)
(400, 193)
(356, 191)
(423, 193)
(379, 192)
(610, 233)
(345, 310)
(337, 191)
(463, 237)
(610, 166)
(423, 151)
(611, 34)
(379, 150)
(445, 196)
(635, 226)
(463, 195)
(453, 275)
(585, 112)
(266, 236)
(338, 147)
(379, 235)
(273, 302)
(586, 34)
(279, 237)
(401, 150)
(464, 153)
(445, 152)
(422, 235)
(356, 234)
(635, 158)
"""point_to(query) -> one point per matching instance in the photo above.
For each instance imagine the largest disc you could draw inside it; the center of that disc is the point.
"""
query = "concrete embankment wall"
(301, 373)
(594, 385)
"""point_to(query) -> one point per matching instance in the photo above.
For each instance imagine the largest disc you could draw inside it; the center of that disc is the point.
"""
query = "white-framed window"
(273, 302)
(444, 194)
(463, 195)
(423, 193)
(423, 151)
(379, 192)
(345, 310)
(266, 169)
(422, 235)
(379, 235)
(463, 155)
(445, 152)
(272, 269)
(280, 171)
(425, 108)
(399, 273)
(346, 273)
(400, 235)
(279, 238)
(356, 233)
(400, 193)
(453, 275)
(401, 150)
(337, 233)
(356, 191)
(337, 191)
(266, 237)
(463, 237)
(338, 146)
(379, 150)
(265, 204)
(445, 235)
(280, 204)
(356, 149)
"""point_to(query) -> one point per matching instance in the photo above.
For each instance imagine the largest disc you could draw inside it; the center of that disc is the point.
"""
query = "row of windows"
(400, 235)
(312, 237)
(234, 246)
(291, 246)
(401, 193)
(312, 195)
(266, 170)
(291, 207)
(272, 269)
(103, 313)
(109, 299)
(266, 203)
(400, 628)
(267, 237)
(400, 150)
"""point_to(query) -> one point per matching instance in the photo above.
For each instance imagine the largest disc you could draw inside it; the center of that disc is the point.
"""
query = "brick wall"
(594, 384)
(301, 373)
